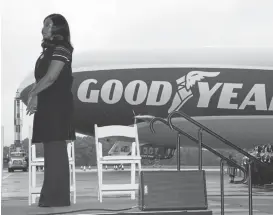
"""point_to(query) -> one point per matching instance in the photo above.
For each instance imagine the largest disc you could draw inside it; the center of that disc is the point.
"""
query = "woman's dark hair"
(60, 31)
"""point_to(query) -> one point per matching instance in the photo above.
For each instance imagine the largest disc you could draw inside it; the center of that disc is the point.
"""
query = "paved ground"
(15, 192)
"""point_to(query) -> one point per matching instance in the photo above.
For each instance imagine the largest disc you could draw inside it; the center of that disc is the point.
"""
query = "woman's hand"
(32, 105)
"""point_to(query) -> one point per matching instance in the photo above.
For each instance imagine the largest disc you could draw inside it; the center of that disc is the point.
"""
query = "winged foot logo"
(184, 85)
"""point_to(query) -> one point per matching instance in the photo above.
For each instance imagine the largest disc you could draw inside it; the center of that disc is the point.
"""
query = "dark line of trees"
(85, 153)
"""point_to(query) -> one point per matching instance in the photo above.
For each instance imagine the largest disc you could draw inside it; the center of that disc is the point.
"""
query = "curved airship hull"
(234, 102)
(227, 89)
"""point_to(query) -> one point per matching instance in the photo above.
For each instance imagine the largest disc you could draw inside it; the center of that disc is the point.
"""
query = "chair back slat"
(116, 130)
(33, 151)
(69, 150)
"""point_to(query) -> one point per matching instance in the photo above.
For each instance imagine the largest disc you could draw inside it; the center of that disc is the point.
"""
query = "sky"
(100, 25)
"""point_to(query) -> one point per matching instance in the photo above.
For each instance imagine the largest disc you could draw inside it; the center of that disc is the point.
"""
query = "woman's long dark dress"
(53, 125)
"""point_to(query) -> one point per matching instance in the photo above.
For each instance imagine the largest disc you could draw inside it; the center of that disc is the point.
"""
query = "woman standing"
(51, 100)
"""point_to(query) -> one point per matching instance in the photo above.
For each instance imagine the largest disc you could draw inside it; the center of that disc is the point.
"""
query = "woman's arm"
(53, 73)
(34, 85)
(60, 56)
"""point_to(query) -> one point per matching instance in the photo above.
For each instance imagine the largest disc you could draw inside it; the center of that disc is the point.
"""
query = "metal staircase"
(199, 141)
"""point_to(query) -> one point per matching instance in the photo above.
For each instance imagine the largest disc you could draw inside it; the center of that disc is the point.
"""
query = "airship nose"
(25, 87)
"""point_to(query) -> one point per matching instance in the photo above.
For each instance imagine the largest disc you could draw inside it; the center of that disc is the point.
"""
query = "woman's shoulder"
(63, 47)
(62, 52)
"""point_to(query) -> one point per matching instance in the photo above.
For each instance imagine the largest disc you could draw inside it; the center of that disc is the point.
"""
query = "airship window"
(125, 149)
(116, 149)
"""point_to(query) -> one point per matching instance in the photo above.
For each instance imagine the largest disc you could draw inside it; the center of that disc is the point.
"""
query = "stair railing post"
(178, 152)
(250, 202)
(200, 157)
(222, 163)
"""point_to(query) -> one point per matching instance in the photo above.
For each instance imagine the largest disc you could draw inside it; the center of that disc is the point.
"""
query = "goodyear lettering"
(85, 94)
(256, 96)
(134, 93)
(258, 93)
(159, 93)
(206, 93)
(111, 91)
(228, 93)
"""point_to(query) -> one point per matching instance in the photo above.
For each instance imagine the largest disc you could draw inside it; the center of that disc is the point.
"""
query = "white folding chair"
(133, 159)
(34, 191)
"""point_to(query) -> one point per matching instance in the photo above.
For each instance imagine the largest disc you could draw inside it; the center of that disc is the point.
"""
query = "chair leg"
(101, 181)
(139, 171)
(70, 181)
(74, 182)
(133, 179)
(101, 178)
(99, 170)
(29, 184)
(33, 179)
(139, 167)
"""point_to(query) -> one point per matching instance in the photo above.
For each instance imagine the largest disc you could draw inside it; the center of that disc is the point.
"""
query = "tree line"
(85, 153)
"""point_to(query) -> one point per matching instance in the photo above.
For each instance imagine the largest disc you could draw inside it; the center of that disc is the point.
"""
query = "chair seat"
(37, 190)
(41, 161)
(111, 158)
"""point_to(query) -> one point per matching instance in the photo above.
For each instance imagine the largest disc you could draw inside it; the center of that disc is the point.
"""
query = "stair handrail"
(229, 161)
(209, 131)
